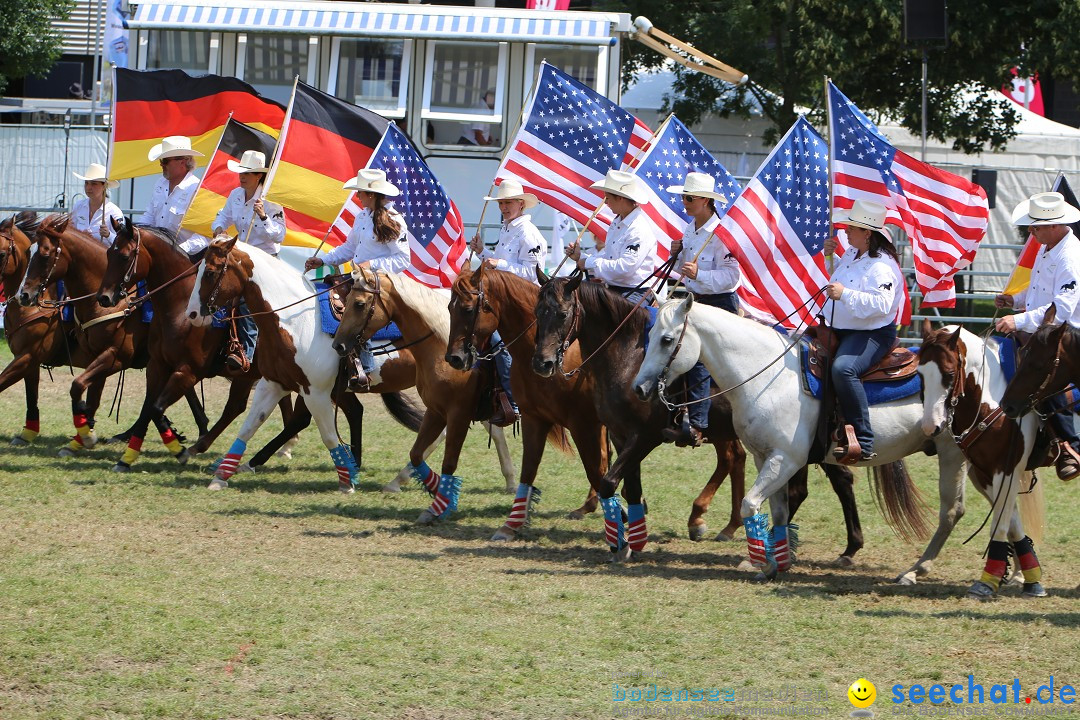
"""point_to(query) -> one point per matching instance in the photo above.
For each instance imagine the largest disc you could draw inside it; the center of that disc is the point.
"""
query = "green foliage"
(28, 45)
(788, 46)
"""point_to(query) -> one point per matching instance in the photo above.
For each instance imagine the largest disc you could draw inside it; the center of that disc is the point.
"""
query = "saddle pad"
(329, 323)
(649, 323)
(146, 307)
(1006, 356)
(67, 312)
(877, 393)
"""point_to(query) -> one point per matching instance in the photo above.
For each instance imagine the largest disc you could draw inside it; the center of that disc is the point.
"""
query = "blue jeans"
(246, 330)
(697, 380)
(502, 365)
(858, 351)
(1060, 417)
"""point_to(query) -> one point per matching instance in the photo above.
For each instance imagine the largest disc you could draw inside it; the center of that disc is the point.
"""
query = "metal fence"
(39, 160)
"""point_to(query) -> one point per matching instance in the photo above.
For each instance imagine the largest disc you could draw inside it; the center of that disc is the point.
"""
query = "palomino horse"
(450, 395)
(962, 381)
(775, 420)
(610, 331)
(1049, 363)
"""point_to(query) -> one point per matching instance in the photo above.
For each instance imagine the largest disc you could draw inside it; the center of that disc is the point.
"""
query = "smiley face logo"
(862, 693)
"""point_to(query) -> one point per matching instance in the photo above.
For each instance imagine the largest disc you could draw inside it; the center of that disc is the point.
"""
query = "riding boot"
(1068, 462)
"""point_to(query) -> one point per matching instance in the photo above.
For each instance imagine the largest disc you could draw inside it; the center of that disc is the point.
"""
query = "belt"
(624, 290)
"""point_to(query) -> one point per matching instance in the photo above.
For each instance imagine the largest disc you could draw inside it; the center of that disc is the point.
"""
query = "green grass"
(146, 596)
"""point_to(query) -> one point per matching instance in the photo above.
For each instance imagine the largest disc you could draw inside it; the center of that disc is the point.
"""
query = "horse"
(451, 396)
(610, 330)
(962, 380)
(1049, 363)
(760, 369)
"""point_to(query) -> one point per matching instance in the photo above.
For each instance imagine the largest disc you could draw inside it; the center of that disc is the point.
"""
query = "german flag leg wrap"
(614, 532)
(131, 453)
(31, 429)
(171, 442)
(231, 461)
(757, 538)
(636, 534)
(347, 470)
(446, 497)
(425, 476)
(997, 560)
(524, 499)
(1029, 563)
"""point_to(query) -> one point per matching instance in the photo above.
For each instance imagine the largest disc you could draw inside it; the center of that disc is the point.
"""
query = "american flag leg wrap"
(30, 430)
(229, 463)
(425, 476)
(613, 522)
(757, 537)
(636, 534)
(519, 511)
(446, 497)
(134, 448)
(996, 563)
(346, 466)
(1029, 563)
(781, 551)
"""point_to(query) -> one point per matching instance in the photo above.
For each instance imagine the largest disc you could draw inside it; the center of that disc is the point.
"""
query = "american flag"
(570, 136)
(778, 226)
(944, 215)
(674, 153)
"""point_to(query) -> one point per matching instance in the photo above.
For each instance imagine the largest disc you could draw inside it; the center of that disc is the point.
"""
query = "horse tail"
(1032, 505)
(402, 409)
(558, 438)
(900, 501)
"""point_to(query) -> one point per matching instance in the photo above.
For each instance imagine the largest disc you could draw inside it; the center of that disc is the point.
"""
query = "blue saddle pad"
(220, 318)
(390, 333)
(67, 312)
(649, 323)
(1007, 356)
(146, 308)
(329, 323)
(877, 393)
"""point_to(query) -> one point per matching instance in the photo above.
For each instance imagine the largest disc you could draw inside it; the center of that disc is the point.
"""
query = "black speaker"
(987, 180)
(925, 20)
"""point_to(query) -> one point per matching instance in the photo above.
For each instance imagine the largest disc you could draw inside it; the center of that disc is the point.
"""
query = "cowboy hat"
(96, 173)
(623, 184)
(373, 181)
(1048, 208)
(864, 214)
(250, 161)
(173, 146)
(512, 190)
(698, 185)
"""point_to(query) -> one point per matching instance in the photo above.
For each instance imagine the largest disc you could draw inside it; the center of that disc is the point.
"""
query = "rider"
(628, 256)
(712, 274)
(378, 240)
(1053, 280)
(258, 222)
(173, 192)
(92, 214)
(863, 308)
(521, 250)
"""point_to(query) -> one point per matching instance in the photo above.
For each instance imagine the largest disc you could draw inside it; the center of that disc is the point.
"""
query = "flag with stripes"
(1021, 274)
(945, 216)
(569, 137)
(777, 230)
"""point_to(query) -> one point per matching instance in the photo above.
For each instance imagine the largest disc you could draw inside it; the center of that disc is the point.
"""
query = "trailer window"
(178, 50)
(464, 94)
(271, 62)
(372, 73)
(580, 63)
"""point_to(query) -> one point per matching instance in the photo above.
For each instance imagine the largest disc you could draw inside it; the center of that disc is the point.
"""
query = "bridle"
(377, 293)
(568, 339)
(468, 343)
(209, 306)
(661, 379)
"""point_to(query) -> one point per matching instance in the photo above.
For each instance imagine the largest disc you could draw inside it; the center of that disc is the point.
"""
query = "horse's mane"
(1042, 334)
(515, 287)
(165, 233)
(428, 304)
(596, 299)
(28, 221)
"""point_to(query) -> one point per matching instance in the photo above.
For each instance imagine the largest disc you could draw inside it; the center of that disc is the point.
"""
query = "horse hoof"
(346, 489)
(66, 453)
(121, 467)
(575, 515)
(90, 440)
(724, 537)
(907, 578)
(981, 591)
(183, 456)
(287, 454)
(1033, 590)
(392, 487)
(503, 534)
(246, 467)
(426, 518)
(845, 561)
(19, 441)
(217, 484)
(622, 554)
(697, 532)
(1016, 580)
(747, 566)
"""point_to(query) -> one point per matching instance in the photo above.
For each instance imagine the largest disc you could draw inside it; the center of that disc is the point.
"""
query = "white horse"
(776, 421)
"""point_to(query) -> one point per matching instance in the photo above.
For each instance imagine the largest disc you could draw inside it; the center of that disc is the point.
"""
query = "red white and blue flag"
(945, 216)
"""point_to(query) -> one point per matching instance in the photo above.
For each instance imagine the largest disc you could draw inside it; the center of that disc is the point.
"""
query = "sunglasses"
(691, 198)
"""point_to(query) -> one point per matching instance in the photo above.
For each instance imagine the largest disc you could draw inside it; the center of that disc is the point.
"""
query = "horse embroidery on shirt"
(633, 248)
(1069, 286)
(534, 251)
(885, 286)
(729, 256)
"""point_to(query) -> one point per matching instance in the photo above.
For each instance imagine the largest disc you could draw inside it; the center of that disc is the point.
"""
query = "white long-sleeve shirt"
(873, 292)
(361, 246)
(521, 248)
(629, 257)
(1053, 280)
(265, 234)
(717, 269)
(80, 216)
(166, 209)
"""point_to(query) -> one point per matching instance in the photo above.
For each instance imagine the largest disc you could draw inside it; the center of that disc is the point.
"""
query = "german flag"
(150, 105)
(218, 180)
(323, 143)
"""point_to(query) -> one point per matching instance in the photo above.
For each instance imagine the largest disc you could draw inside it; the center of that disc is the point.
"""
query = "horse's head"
(1039, 373)
(943, 369)
(223, 275)
(674, 347)
(558, 319)
(125, 264)
(366, 311)
(49, 263)
(472, 319)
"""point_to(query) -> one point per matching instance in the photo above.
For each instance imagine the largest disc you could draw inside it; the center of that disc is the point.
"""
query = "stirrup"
(237, 362)
(850, 452)
(358, 379)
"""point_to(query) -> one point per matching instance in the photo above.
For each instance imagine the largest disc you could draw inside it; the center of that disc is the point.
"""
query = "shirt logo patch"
(729, 256)
(535, 250)
(633, 248)
(885, 286)
(1069, 286)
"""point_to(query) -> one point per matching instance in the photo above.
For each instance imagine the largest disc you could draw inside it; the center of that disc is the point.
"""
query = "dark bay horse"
(569, 309)
(1049, 363)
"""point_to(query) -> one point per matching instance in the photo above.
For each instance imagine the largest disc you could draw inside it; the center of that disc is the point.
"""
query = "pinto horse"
(962, 382)
(611, 329)
(775, 419)
(1049, 363)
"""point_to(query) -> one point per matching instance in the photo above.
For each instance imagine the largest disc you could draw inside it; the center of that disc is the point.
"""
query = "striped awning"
(382, 20)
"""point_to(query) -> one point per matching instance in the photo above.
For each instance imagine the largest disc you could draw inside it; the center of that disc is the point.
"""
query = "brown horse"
(1049, 363)
(611, 333)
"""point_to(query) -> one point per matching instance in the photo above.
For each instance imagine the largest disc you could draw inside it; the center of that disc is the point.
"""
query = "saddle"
(493, 404)
(337, 295)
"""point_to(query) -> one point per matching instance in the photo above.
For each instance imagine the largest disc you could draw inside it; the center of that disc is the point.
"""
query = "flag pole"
(831, 257)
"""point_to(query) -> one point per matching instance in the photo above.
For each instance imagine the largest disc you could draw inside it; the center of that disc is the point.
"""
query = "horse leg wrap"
(997, 561)
(757, 538)
(785, 539)
(425, 476)
(231, 461)
(524, 502)
(172, 443)
(31, 430)
(636, 534)
(131, 453)
(446, 496)
(1029, 563)
(614, 532)
(347, 470)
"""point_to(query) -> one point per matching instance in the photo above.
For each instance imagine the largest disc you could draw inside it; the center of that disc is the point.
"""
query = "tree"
(788, 46)
(28, 44)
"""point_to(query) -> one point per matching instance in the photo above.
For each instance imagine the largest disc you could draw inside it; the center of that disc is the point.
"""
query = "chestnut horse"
(1049, 363)
(611, 328)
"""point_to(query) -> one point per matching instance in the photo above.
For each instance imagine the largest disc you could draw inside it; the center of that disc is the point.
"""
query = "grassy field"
(146, 596)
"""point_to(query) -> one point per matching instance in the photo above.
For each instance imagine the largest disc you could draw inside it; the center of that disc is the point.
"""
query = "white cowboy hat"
(864, 214)
(1048, 208)
(96, 173)
(512, 190)
(373, 181)
(250, 161)
(173, 146)
(623, 184)
(698, 185)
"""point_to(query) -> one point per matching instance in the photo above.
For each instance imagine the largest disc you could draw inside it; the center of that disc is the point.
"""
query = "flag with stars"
(944, 215)
(777, 230)
(674, 153)
(570, 136)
